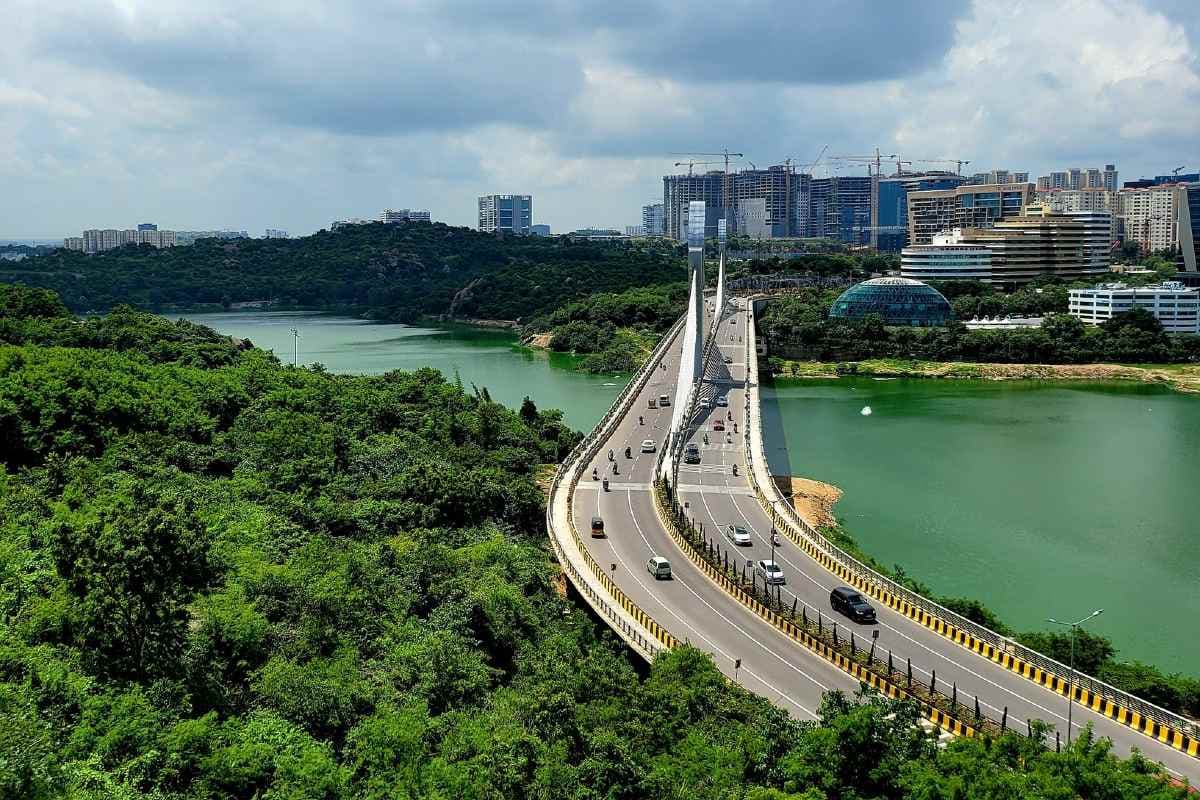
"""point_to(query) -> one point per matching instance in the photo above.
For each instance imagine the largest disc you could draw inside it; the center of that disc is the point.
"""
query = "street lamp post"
(1074, 626)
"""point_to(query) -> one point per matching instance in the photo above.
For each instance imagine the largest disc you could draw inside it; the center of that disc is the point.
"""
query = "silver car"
(769, 572)
(738, 535)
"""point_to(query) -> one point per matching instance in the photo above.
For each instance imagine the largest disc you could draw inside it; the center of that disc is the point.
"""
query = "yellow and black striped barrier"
(935, 715)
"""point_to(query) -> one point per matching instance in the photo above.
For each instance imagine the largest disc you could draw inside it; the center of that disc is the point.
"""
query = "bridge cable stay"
(691, 359)
(719, 308)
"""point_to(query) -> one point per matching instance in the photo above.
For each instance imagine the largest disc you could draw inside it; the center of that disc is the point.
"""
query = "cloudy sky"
(290, 114)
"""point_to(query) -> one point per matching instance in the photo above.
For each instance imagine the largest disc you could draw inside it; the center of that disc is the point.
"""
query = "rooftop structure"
(899, 301)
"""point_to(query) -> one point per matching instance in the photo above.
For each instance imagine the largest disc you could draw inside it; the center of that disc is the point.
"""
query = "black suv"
(849, 602)
(691, 455)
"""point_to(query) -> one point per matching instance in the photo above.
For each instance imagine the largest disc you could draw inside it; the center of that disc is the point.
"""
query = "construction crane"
(1177, 170)
(900, 164)
(958, 162)
(876, 159)
(725, 181)
(691, 164)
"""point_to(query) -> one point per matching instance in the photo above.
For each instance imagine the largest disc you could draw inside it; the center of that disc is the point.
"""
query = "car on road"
(719, 425)
(691, 457)
(647, 445)
(723, 401)
(597, 527)
(659, 567)
(653, 403)
(728, 359)
(738, 535)
(845, 600)
(769, 572)
(664, 401)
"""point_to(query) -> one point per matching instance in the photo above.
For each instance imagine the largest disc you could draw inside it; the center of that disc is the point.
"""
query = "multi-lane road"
(694, 609)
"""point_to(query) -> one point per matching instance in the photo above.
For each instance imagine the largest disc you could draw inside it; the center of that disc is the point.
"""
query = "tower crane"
(1177, 170)
(959, 163)
(690, 164)
(876, 159)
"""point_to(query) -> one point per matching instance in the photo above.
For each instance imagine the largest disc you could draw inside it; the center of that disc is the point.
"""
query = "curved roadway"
(695, 610)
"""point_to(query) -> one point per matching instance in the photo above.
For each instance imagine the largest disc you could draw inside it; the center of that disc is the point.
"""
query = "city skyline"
(202, 121)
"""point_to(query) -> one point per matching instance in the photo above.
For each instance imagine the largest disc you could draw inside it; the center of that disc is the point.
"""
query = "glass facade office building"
(899, 301)
(508, 213)
(892, 223)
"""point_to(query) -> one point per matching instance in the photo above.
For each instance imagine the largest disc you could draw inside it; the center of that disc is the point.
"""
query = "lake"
(1041, 499)
(486, 358)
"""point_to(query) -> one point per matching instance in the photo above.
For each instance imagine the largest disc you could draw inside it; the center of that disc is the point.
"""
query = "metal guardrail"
(581, 454)
(1001, 643)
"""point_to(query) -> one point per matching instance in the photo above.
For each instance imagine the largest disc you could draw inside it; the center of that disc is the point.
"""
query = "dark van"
(597, 527)
(849, 602)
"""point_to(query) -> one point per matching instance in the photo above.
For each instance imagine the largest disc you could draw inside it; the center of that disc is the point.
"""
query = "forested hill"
(392, 272)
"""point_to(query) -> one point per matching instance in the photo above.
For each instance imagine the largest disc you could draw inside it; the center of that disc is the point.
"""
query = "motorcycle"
(595, 474)
(735, 469)
(627, 453)
(775, 539)
(641, 421)
(606, 484)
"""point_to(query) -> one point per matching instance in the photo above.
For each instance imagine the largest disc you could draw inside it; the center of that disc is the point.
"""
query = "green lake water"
(1041, 499)
(486, 358)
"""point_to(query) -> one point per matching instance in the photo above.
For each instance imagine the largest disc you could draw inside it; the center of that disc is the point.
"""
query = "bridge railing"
(568, 473)
(784, 511)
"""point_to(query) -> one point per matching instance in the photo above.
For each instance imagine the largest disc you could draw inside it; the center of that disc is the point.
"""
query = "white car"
(648, 446)
(738, 535)
(769, 572)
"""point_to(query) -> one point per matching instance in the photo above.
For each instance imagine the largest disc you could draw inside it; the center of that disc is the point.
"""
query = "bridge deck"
(694, 609)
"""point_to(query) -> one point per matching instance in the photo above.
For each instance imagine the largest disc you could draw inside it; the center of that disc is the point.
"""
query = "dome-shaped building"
(900, 301)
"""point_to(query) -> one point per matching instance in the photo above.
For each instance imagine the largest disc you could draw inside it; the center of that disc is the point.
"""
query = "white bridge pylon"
(691, 361)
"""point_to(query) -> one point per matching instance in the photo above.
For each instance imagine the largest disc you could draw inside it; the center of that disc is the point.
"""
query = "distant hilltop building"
(539, 230)
(395, 216)
(191, 237)
(506, 213)
(275, 233)
(97, 240)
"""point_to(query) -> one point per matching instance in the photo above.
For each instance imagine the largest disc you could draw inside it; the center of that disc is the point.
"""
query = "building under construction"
(763, 203)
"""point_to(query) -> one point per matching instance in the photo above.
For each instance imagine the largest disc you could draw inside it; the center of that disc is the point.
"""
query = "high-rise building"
(1151, 215)
(763, 203)
(506, 213)
(95, 240)
(1108, 177)
(967, 206)
(147, 226)
(635, 230)
(1073, 201)
(653, 219)
(1189, 229)
(539, 230)
(1014, 250)
(679, 191)
(840, 208)
(1043, 183)
(891, 223)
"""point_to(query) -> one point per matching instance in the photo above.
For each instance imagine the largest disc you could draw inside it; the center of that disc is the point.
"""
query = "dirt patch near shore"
(538, 340)
(814, 500)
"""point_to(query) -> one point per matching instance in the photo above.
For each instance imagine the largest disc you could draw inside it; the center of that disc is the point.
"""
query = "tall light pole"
(1074, 626)
(296, 348)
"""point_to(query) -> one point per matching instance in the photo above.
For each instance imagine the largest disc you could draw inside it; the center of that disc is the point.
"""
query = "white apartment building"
(393, 216)
(73, 243)
(1150, 216)
(1173, 304)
